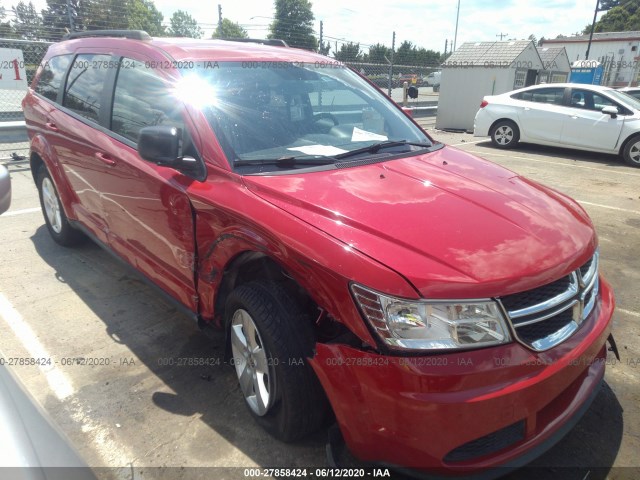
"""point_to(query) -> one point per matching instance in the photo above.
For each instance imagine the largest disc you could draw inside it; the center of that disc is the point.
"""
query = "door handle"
(52, 126)
(106, 159)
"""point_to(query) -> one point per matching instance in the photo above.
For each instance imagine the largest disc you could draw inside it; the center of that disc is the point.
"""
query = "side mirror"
(613, 111)
(160, 145)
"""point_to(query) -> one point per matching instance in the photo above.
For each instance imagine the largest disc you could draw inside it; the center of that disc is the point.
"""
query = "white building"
(477, 69)
(617, 51)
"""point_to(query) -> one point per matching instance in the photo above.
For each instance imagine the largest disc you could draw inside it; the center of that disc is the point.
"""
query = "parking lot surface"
(127, 385)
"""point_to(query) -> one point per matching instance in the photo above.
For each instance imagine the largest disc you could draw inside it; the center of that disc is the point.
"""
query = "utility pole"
(220, 19)
(446, 45)
(321, 45)
(70, 16)
(502, 35)
(455, 38)
(393, 47)
(593, 26)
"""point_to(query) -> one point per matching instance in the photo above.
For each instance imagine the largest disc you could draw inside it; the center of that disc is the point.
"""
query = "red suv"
(447, 312)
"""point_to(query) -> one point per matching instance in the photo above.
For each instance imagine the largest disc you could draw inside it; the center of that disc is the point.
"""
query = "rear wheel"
(271, 341)
(505, 134)
(56, 220)
(631, 154)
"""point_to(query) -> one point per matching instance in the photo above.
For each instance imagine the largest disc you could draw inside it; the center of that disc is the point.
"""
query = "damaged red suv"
(448, 313)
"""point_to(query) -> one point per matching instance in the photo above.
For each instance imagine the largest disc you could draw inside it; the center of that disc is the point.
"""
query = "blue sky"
(427, 23)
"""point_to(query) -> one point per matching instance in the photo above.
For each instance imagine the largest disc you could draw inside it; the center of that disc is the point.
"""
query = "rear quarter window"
(52, 76)
(85, 84)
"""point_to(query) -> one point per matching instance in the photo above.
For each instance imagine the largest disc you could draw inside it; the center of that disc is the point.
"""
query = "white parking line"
(58, 382)
(535, 160)
(110, 451)
(628, 312)
(20, 212)
(618, 209)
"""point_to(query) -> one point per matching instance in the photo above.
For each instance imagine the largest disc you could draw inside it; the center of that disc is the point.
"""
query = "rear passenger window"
(85, 83)
(142, 99)
(553, 96)
(52, 76)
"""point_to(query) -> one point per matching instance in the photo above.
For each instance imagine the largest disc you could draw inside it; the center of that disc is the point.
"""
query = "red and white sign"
(12, 73)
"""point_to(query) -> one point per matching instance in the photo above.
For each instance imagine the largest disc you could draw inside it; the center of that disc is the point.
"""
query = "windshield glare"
(274, 110)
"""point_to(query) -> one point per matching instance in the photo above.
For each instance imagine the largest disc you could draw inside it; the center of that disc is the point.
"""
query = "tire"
(57, 223)
(270, 342)
(505, 134)
(631, 153)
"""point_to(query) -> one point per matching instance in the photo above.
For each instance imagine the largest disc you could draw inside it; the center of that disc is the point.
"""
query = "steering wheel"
(321, 115)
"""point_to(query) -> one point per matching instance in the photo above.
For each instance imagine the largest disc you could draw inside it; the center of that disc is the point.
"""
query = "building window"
(521, 76)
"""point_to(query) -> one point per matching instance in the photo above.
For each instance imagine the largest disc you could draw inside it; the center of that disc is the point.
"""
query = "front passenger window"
(141, 99)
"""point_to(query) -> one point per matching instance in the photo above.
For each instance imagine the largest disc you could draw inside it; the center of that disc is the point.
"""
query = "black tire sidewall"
(516, 134)
(300, 405)
(68, 236)
(626, 154)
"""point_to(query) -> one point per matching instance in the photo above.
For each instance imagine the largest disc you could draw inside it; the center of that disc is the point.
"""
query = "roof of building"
(482, 54)
(549, 55)
(597, 37)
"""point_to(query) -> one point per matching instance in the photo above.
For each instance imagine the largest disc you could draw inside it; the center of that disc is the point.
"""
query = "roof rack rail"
(132, 34)
(274, 42)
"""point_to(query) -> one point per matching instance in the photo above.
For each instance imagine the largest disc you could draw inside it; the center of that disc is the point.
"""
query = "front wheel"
(505, 134)
(631, 154)
(270, 342)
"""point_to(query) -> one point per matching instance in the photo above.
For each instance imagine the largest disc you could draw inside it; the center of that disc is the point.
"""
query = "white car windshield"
(290, 114)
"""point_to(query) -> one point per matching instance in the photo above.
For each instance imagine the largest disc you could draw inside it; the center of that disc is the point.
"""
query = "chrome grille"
(546, 316)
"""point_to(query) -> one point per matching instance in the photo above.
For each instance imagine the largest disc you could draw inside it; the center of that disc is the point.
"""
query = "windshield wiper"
(376, 147)
(285, 161)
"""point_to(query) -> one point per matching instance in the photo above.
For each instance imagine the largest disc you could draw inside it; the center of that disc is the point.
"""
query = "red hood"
(452, 224)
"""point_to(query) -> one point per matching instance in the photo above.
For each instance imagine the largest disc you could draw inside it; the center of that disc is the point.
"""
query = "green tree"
(294, 24)
(378, 53)
(184, 25)
(406, 54)
(6, 30)
(55, 18)
(229, 29)
(27, 23)
(621, 16)
(143, 15)
(349, 52)
(324, 48)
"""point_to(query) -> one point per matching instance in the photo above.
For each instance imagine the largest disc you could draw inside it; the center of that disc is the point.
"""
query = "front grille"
(492, 443)
(546, 316)
(519, 301)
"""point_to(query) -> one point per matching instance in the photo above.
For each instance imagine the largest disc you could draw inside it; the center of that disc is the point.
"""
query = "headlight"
(432, 325)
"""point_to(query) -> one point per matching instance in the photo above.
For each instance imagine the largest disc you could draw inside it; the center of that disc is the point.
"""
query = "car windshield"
(624, 98)
(295, 115)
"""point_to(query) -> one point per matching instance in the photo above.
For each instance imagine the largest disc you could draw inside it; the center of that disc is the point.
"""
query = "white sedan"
(584, 117)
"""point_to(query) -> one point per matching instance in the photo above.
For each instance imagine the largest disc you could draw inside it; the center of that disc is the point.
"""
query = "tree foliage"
(622, 16)
(410, 54)
(184, 25)
(294, 24)
(349, 52)
(229, 29)
(378, 53)
(101, 14)
(27, 23)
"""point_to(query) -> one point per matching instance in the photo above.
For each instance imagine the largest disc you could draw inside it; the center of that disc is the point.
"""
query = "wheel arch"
(626, 141)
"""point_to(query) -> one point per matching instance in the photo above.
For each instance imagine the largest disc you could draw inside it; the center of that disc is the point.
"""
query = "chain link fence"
(32, 53)
(12, 136)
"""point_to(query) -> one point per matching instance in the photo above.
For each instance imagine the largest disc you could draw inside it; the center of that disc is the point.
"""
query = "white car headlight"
(432, 325)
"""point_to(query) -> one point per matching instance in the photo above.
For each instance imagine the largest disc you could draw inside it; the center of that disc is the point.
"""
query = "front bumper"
(465, 412)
